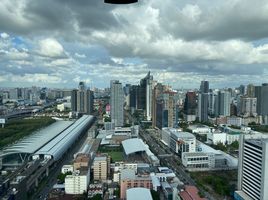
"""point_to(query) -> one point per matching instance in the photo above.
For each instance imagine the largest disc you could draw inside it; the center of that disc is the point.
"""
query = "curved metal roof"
(59, 145)
(37, 140)
(133, 145)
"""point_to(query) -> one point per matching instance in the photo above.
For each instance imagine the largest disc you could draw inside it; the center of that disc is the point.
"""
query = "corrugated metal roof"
(133, 145)
(37, 140)
(58, 146)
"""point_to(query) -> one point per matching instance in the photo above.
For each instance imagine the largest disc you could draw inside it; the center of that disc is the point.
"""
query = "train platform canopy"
(32, 143)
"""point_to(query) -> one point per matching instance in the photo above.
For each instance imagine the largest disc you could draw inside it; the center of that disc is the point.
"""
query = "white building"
(200, 129)
(77, 183)
(67, 168)
(181, 141)
(207, 158)
(216, 137)
(235, 121)
(253, 170)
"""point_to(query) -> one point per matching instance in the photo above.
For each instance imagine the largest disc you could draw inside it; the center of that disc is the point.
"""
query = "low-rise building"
(182, 142)
(216, 137)
(200, 129)
(67, 168)
(130, 180)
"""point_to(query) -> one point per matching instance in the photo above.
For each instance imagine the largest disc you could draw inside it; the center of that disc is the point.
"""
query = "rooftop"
(139, 193)
(133, 145)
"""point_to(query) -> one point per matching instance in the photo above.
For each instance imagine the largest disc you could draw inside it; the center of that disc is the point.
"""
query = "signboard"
(2, 121)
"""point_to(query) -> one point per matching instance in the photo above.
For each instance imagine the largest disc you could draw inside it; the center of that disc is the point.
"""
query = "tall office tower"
(190, 104)
(142, 94)
(149, 94)
(1, 99)
(82, 99)
(203, 101)
(242, 89)
(250, 90)
(157, 91)
(258, 96)
(82, 86)
(203, 107)
(134, 94)
(248, 106)
(223, 103)
(117, 103)
(252, 168)
(211, 103)
(264, 99)
(204, 87)
(74, 100)
(145, 95)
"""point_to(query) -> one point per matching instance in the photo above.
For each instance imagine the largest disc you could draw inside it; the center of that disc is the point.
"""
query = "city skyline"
(181, 43)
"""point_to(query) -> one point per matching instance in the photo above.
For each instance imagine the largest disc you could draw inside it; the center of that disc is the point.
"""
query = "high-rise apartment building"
(223, 103)
(252, 168)
(166, 110)
(250, 90)
(117, 103)
(248, 106)
(101, 167)
(204, 87)
(82, 99)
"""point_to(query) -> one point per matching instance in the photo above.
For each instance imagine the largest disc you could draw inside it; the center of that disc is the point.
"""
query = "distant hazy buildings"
(82, 99)
(248, 106)
(253, 168)
(117, 103)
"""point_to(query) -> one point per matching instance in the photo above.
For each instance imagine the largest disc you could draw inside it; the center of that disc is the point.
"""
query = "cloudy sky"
(57, 43)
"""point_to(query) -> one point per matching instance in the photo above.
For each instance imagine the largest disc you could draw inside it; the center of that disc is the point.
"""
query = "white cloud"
(4, 35)
(80, 55)
(37, 78)
(50, 47)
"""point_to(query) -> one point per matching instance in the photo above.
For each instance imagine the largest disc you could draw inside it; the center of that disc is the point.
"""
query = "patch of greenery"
(222, 182)
(61, 177)
(19, 128)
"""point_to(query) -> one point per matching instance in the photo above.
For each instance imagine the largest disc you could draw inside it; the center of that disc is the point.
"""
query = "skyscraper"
(203, 107)
(117, 103)
(223, 103)
(203, 101)
(264, 99)
(252, 168)
(248, 106)
(204, 87)
(190, 104)
(82, 99)
(250, 90)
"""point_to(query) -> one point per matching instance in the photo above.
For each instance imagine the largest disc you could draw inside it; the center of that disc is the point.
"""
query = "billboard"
(2, 121)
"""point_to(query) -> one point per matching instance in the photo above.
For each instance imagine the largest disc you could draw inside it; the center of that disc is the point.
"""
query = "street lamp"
(120, 1)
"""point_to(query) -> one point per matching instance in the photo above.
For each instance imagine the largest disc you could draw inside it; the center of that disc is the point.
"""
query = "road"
(173, 162)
